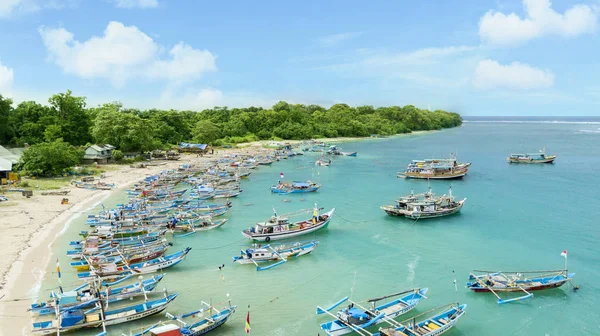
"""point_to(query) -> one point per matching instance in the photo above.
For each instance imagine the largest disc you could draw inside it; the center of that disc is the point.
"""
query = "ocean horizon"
(533, 119)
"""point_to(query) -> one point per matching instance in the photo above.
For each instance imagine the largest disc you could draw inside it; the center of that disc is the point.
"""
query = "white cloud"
(331, 40)
(136, 3)
(7, 7)
(491, 74)
(6, 79)
(124, 52)
(420, 56)
(540, 20)
(199, 99)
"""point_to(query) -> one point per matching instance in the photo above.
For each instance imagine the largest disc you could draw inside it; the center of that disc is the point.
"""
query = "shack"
(98, 153)
(185, 147)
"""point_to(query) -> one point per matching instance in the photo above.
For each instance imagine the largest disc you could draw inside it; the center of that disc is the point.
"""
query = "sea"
(516, 218)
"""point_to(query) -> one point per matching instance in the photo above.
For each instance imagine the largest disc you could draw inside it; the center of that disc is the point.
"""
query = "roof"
(5, 165)
(190, 145)
(100, 148)
(13, 154)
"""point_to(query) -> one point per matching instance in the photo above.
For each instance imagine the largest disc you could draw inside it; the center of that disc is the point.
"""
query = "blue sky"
(530, 57)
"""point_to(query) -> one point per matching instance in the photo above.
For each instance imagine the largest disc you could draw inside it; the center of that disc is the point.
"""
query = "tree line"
(66, 118)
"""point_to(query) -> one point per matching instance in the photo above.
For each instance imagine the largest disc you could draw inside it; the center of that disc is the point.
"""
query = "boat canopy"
(301, 184)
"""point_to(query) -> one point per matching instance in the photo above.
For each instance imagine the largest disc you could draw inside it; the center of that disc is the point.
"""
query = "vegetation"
(50, 158)
(131, 130)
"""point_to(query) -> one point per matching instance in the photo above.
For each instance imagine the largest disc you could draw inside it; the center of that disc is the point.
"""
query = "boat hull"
(549, 159)
(391, 210)
(266, 237)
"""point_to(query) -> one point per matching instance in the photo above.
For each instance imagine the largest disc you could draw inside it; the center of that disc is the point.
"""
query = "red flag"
(564, 253)
(247, 323)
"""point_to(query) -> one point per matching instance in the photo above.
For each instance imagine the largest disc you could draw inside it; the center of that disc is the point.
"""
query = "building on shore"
(98, 154)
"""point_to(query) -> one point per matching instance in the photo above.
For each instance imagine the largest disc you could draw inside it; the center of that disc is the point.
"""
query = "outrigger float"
(357, 318)
(280, 253)
(280, 227)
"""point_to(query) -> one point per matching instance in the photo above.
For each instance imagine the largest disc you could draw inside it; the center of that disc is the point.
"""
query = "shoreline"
(31, 252)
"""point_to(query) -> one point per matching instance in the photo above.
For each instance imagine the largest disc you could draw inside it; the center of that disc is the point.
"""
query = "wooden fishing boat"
(436, 169)
(280, 227)
(111, 270)
(70, 320)
(120, 258)
(205, 224)
(522, 282)
(540, 157)
(321, 162)
(356, 317)
(280, 253)
(425, 205)
(81, 297)
(295, 187)
(442, 321)
(333, 150)
(198, 324)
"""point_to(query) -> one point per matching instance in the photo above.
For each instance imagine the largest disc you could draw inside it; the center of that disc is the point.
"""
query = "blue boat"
(75, 319)
(295, 187)
(436, 325)
(198, 326)
(355, 317)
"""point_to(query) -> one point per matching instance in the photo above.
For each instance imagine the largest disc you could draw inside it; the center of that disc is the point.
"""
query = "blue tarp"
(189, 145)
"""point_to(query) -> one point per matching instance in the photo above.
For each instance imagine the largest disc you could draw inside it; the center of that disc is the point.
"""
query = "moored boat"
(436, 169)
(295, 187)
(356, 317)
(425, 205)
(438, 324)
(280, 253)
(280, 227)
(540, 157)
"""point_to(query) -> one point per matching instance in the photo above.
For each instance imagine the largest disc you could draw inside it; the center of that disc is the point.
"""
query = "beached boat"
(540, 157)
(280, 227)
(81, 297)
(356, 317)
(425, 205)
(522, 282)
(198, 324)
(280, 253)
(70, 320)
(295, 187)
(436, 169)
(443, 319)
(120, 258)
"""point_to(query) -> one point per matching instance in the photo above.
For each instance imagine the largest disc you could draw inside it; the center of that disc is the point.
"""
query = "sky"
(474, 57)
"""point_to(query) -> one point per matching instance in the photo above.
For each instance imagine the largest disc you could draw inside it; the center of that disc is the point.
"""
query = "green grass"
(52, 183)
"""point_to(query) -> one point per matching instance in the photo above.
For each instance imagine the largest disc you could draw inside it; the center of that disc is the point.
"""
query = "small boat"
(540, 157)
(436, 325)
(356, 317)
(295, 187)
(321, 162)
(74, 319)
(280, 253)
(436, 169)
(333, 150)
(522, 282)
(280, 227)
(425, 205)
(82, 298)
(199, 324)
(204, 224)
(112, 270)
(120, 258)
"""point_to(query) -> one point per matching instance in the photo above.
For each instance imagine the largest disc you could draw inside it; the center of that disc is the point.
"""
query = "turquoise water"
(517, 217)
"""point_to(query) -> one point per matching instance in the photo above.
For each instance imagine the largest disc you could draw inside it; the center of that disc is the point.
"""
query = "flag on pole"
(564, 253)
(247, 328)
(58, 269)
(280, 175)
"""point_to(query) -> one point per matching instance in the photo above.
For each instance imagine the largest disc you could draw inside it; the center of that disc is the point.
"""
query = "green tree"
(50, 158)
(74, 121)
(125, 131)
(6, 133)
(206, 132)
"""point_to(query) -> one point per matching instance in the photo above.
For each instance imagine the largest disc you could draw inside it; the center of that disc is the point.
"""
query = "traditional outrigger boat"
(111, 270)
(280, 227)
(295, 187)
(120, 258)
(83, 298)
(280, 253)
(540, 157)
(357, 317)
(433, 326)
(425, 205)
(522, 282)
(200, 325)
(436, 169)
(333, 150)
(74, 319)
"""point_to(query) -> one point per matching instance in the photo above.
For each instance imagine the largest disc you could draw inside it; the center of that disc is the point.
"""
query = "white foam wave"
(590, 131)
(411, 269)
(533, 122)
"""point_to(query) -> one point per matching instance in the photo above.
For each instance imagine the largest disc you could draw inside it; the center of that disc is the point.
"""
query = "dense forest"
(67, 117)
(67, 121)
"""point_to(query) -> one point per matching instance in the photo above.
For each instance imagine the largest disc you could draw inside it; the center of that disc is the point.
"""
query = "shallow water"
(517, 217)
